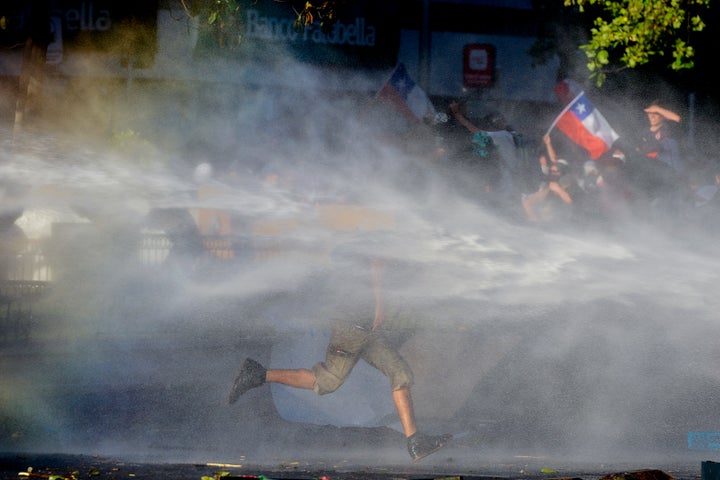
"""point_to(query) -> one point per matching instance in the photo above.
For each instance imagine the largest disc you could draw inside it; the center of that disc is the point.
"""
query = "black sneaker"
(251, 375)
(421, 445)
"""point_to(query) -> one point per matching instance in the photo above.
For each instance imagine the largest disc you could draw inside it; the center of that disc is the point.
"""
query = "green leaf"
(603, 57)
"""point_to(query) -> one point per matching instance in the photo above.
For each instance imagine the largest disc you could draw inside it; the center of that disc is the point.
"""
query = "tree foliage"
(629, 33)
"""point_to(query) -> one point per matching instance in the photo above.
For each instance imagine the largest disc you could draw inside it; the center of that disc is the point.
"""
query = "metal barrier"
(154, 248)
(17, 300)
(25, 274)
(25, 261)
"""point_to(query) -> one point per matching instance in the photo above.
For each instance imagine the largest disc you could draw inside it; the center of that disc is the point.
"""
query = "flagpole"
(567, 107)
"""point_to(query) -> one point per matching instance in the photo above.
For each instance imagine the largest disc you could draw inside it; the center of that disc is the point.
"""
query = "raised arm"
(668, 114)
(550, 149)
(455, 110)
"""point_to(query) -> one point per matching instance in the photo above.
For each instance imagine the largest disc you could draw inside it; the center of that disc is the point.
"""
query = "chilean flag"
(405, 95)
(586, 126)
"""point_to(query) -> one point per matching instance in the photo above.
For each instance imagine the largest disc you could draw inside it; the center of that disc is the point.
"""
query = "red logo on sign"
(478, 64)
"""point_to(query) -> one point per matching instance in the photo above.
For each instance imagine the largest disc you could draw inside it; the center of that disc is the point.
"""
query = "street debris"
(638, 475)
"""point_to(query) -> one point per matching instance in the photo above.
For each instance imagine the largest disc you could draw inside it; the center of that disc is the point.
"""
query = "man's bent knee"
(401, 379)
(325, 382)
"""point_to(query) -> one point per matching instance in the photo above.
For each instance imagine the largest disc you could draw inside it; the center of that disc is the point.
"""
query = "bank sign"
(366, 34)
(267, 28)
(128, 29)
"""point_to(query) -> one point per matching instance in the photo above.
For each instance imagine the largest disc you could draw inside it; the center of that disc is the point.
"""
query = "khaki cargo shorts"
(349, 343)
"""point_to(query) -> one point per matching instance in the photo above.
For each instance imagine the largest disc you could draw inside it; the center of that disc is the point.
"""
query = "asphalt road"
(80, 467)
(165, 425)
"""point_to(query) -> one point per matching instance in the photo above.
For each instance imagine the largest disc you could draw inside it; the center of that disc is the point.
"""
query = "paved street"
(519, 467)
(155, 408)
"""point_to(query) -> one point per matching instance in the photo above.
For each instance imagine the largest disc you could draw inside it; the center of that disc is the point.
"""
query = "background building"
(106, 60)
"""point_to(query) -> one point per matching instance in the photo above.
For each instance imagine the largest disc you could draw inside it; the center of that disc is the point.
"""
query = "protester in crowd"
(496, 145)
(356, 334)
(659, 141)
(655, 168)
(553, 200)
(472, 164)
(559, 190)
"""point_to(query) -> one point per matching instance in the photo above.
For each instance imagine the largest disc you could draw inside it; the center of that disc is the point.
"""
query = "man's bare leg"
(419, 445)
(252, 375)
(298, 378)
(404, 406)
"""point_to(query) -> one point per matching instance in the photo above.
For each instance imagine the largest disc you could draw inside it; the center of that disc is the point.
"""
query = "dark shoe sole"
(235, 394)
(441, 445)
(238, 389)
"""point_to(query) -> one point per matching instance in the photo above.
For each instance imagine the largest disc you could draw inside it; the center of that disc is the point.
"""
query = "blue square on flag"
(583, 108)
(402, 81)
(583, 124)
(401, 91)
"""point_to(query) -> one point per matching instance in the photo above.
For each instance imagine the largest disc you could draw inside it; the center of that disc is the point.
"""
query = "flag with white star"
(586, 126)
(404, 94)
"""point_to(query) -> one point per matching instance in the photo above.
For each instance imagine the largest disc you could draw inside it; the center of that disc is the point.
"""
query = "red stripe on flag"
(389, 94)
(571, 126)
